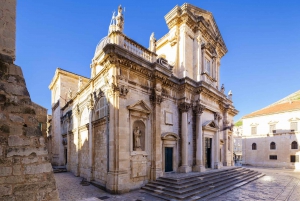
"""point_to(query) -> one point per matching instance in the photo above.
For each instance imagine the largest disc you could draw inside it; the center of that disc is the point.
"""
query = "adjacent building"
(271, 135)
(238, 142)
(146, 111)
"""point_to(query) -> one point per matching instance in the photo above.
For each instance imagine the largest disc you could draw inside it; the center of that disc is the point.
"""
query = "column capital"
(217, 116)
(199, 109)
(184, 106)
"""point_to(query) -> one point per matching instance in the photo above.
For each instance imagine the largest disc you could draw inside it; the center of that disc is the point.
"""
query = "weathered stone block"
(5, 189)
(5, 171)
(26, 151)
(36, 169)
(16, 118)
(35, 178)
(15, 140)
(17, 170)
(11, 180)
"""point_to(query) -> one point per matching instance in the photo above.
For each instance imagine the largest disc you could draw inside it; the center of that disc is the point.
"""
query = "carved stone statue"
(120, 19)
(222, 88)
(69, 94)
(79, 83)
(137, 139)
(230, 95)
(152, 43)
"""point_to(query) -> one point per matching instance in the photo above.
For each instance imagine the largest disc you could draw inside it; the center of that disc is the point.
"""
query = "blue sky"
(262, 37)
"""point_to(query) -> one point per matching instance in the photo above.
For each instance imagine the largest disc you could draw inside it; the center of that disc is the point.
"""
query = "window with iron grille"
(101, 109)
(254, 146)
(294, 145)
(273, 145)
(294, 158)
(273, 157)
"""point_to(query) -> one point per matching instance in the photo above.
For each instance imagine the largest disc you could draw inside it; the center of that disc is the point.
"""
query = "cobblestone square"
(277, 184)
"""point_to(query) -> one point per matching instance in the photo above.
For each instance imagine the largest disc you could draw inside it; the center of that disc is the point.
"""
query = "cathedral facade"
(146, 111)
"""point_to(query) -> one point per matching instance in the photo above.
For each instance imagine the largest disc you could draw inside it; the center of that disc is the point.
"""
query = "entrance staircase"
(200, 186)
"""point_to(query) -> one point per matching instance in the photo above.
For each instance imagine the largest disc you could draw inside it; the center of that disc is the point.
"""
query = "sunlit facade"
(146, 111)
(271, 136)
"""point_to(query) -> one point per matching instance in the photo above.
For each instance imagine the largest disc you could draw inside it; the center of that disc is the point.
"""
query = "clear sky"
(262, 37)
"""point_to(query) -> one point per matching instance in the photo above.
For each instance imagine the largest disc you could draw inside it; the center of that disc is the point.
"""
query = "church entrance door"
(168, 159)
(208, 142)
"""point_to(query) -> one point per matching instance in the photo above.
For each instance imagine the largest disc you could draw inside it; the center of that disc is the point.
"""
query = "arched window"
(273, 145)
(254, 146)
(101, 109)
(294, 145)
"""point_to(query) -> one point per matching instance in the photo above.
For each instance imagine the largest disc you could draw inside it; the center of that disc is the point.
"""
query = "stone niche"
(139, 124)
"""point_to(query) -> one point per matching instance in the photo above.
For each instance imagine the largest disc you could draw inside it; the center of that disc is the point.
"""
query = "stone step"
(184, 176)
(230, 188)
(212, 184)
(194, 191)
(194, 180)
(194, 184)
(222, 185)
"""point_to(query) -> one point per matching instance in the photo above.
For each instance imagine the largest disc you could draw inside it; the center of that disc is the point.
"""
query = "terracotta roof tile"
(283, 107)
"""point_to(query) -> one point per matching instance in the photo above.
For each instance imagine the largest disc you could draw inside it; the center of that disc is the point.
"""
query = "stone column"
(217, 141)
(198, 109)
(184, 107)
(226, 144)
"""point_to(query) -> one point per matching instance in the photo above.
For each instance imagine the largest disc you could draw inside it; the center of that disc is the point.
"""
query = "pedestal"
(185, 169)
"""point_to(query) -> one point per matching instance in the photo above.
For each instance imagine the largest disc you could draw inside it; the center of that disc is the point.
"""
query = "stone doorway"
(66, 156)
(208, 150)
(168, 159)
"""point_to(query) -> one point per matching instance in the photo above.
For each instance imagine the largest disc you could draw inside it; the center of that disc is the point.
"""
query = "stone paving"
(278, 184)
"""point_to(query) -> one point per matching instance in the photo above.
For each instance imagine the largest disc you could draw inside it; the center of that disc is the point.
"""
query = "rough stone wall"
(7, 29)
(84, 154)
(41, 115)
(100, 153)
(25, 172)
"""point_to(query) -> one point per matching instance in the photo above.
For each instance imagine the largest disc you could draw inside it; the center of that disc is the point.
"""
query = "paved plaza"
(277, 184)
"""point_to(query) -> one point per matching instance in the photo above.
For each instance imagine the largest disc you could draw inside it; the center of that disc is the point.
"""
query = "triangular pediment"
(140, 106)
(210, 125)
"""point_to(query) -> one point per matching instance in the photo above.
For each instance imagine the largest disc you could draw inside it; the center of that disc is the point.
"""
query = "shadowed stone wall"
(25, 172)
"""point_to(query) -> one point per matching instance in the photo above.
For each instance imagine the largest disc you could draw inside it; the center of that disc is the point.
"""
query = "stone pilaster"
(91, 140)
(77, 115)
(184, 107)
(199, 167)
(156, 168)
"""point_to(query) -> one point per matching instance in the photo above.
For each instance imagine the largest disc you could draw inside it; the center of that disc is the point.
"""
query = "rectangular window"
(41, 126)
(294, 158)
(207, 64)
(272, 128)
(253, 130)
(273, 157)
(294, 126)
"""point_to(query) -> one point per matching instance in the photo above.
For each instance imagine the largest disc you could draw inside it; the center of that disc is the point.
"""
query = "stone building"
(25, 172)
(146, 111)
(237, 142)
(41, 116)
(271, 135)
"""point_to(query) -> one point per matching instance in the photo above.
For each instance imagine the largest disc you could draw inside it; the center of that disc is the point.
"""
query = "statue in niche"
(137, 139)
